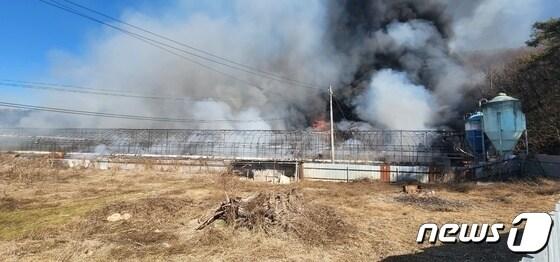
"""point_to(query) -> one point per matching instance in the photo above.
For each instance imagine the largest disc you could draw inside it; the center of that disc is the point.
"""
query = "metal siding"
(410, 173)
(341, 172)
(344, 172)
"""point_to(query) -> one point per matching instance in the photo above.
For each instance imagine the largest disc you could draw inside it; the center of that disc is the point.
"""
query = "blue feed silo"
(503, 123)
(474, 134)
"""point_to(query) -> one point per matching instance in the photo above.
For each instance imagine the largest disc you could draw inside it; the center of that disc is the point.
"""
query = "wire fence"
(379, 145)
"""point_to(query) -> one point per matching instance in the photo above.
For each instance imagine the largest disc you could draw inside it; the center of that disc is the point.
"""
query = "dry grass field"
(60, 214)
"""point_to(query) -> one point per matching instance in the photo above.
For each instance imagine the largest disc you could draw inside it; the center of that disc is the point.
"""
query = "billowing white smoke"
(284, 37)
(413, 35)
(393, 102)
(221, 110)
(290, 38)
(394, 99)
(494, 24)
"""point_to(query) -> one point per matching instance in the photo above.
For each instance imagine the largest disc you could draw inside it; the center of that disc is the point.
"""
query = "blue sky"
(30, 30)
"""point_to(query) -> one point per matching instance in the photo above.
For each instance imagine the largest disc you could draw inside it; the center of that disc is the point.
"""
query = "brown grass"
(431, 203)
(53, 213)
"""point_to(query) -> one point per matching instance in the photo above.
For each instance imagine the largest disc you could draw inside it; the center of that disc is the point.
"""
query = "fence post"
(167, 142)
(296, 174)
(402, 147)
(128, 141)
(149, 149)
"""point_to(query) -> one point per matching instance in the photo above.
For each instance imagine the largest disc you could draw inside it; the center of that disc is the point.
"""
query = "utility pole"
(332, 123)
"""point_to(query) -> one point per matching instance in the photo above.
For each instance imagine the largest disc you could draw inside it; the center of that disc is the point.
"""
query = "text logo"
(533, 238)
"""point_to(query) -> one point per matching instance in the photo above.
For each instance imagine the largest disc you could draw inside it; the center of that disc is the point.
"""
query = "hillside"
(534, 77)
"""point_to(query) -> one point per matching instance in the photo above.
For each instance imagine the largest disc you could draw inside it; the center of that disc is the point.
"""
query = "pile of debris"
(263, 210)
(414, 194)
(430, 202)
(281, 210)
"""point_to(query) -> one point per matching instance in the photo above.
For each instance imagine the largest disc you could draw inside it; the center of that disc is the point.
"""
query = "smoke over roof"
(393, 63)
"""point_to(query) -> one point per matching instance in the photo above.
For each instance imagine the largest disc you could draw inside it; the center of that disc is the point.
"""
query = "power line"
(186, 45)
(154, 43)
(86, 90)
(94, 91)
(339, 107)
(165, 46)
(125, 116)
(15, 82)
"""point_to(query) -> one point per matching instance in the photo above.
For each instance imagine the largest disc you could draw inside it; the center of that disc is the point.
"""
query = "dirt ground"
(59, 214)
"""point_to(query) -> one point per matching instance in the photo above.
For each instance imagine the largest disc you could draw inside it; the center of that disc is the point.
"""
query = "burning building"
(399, 83)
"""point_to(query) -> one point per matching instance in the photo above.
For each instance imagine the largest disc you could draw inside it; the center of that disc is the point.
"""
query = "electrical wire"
(156, 44)
(96, 91)
(86, 90)
(166, 47)
(14, 82)
(339, 108)
(185, 45)
(126, 116)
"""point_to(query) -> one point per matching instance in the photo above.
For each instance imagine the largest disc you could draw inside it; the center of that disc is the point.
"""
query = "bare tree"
(535, 78)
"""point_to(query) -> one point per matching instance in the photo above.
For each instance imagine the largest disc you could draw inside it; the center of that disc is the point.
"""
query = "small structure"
(503, 123)
(475, 135)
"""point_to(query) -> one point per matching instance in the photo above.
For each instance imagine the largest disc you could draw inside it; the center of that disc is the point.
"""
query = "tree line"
(534, 77)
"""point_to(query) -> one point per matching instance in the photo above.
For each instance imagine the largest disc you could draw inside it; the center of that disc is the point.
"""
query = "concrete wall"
(275, 172)
(175, 165)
